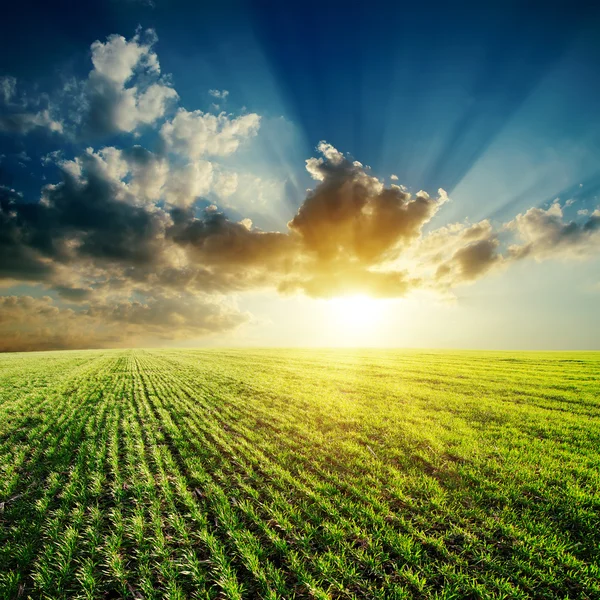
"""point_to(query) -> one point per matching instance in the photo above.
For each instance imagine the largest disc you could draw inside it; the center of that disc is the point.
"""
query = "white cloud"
(117, 58)
(197, 134)
(185, 184)
(8, 87)
(255, 194)
(319, 167)
(52, 157)
(221, 94)
(106, 104)
(545, 234)
(225, 184)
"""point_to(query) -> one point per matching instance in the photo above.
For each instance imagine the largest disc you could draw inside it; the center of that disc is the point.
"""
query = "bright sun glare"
(358, 312)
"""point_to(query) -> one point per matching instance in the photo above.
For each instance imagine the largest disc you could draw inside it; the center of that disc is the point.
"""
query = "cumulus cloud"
(123, 242)
(351, 215)
(197, 134)
(471, 262)
(124, 89)
(545, 234)
(186, 183)
(458, 253)
(141, 177)
(225, 184)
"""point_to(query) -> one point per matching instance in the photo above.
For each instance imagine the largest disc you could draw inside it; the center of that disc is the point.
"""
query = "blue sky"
(494, 103)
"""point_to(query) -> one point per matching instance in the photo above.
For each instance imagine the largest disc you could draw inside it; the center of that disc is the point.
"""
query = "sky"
(300, 174)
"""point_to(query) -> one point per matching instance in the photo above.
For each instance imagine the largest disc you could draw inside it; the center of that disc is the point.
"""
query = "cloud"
(186, 183)
(124, 90)
(19, 114)
(116, 59)
(221, 94)
(89, 216)
(225, 184)
(52, 157)
(352, 216)
(29, 323)
(471, 261)
(148, 174)
(20, 243)
(545, 234)
(458, 253)
(197, 134)
(22, 123)
(123, 242)
(108, 219)
(8, 89)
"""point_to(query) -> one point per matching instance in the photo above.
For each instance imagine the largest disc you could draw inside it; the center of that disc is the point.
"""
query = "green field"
(299, 474)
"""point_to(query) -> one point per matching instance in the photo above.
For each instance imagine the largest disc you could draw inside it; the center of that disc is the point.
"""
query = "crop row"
(256, 474)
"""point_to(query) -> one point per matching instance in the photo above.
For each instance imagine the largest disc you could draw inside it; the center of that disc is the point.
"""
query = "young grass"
(299, 474)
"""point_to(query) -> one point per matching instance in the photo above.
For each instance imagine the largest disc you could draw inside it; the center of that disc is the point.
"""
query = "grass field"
(299, 474)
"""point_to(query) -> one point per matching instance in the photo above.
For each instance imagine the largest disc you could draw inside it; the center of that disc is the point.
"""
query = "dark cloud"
(102, 227)
(20, 115)
(216, 241)
(81, 217)
(351, 216)
(22, 241)
(74, 294)
(135, 267)
(28, 323)
(22, 123)
(471, 261)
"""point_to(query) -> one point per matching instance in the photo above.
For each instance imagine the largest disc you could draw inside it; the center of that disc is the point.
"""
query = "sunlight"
(358, 312)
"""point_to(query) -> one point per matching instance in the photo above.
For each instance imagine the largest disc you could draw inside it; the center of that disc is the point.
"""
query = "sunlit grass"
(299, 474)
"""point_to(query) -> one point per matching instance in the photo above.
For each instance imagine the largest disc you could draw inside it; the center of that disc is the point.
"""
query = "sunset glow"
(359, 312)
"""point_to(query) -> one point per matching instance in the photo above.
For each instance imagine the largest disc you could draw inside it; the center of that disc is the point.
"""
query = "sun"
(357, 313)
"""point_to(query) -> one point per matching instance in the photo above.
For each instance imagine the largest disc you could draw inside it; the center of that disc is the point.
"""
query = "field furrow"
(299, 474)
